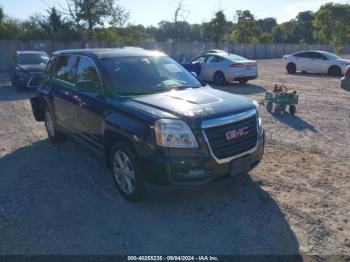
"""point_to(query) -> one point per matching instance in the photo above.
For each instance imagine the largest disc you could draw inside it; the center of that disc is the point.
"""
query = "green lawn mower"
(280, 98)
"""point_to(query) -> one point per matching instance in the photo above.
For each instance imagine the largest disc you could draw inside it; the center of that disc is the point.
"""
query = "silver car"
(224, 67)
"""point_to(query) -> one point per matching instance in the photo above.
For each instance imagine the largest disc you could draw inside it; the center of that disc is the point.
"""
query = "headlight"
(256, 103)
(174, 133)
(23, 74)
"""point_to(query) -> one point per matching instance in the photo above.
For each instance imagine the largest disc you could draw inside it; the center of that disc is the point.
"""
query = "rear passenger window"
(64, 68)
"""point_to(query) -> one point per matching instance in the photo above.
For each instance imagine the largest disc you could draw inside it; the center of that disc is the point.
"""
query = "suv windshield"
(32, 59)
(145, 75)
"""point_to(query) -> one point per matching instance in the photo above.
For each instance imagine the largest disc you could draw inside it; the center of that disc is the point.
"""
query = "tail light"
(237, 65)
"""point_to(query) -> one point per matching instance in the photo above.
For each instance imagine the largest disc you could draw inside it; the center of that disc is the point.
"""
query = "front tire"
(219, 78)
(291, 68)
(126, 171)
(54, 135)
(334, 71)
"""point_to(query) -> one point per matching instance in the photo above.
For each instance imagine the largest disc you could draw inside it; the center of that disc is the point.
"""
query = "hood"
(346, 61)
(192, 105)
(33, 68)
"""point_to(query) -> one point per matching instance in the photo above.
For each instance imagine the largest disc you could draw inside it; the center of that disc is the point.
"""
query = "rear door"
(89, 101)
(319, 63)
(213, 64)
(62, 84)
(302, 61)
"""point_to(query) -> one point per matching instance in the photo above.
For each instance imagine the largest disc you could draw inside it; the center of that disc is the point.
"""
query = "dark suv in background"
(150, 118)
(26, 69)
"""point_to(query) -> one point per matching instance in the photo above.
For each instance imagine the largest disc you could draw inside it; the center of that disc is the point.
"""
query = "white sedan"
(317, 62)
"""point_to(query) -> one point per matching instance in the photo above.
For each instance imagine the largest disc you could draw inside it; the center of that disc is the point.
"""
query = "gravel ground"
(59, 199)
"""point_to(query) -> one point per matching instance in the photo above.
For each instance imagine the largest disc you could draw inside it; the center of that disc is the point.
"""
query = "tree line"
(109, 21)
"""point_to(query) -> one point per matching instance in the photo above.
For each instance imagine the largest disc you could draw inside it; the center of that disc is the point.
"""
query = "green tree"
(216, 28)
(89, 14)
(305, 27)
(267, 24)
(2, 15)
(277, 34)
(247, 30)
(331, 23)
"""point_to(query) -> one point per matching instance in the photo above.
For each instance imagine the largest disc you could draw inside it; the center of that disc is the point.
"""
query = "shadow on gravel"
(8, 93)
(246, 89)
(317, 75)
(54, 199)
(295, 122)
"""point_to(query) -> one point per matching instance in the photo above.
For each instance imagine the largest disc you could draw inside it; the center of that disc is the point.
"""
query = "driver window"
(87, 77)
(86, 71)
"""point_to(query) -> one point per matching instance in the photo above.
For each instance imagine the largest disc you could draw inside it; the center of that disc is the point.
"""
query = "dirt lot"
(57, 199)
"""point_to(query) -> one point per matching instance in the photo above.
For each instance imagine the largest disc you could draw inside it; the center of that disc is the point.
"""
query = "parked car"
(223, 67)
(26, 69)
(150, 118)
(213, 51)
(345, 81)
(318, 62)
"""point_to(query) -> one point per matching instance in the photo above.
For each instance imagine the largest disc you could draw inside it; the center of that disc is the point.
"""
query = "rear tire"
(291, 68)
(269, 107)
(54, 135)
(16, 85)
(334, 71)
(219, 78)
(278, 110)
(126, 170)
(292, 110)
(242, 82)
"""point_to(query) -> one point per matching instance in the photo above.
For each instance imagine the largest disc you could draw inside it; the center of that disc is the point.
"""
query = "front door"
(62, 84)
(89, 101)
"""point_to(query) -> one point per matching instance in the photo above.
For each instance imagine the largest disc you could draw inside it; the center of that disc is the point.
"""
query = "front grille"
(223, 148)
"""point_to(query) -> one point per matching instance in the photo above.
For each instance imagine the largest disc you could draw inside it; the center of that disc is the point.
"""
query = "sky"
(151, 12)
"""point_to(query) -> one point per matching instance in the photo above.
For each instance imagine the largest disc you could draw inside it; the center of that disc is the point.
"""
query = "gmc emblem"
(237, 133)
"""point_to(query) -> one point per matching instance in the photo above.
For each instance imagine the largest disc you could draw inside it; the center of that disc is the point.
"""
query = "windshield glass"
(32, 59)
(332, 56)
(236, 57)
(145, 75)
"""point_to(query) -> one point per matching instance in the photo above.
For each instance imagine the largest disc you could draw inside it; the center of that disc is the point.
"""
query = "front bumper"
(189, 170)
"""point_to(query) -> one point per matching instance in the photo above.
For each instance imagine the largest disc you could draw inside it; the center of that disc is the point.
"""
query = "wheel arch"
(334, 66)
(119, 128)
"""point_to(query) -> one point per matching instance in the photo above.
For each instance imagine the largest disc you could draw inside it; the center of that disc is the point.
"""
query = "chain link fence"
(179, 50)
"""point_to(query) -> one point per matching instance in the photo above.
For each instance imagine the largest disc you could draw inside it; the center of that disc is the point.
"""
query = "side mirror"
(194, 74)
(89, 86)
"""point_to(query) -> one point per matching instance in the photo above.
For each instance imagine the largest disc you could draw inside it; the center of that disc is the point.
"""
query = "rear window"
(236, 57)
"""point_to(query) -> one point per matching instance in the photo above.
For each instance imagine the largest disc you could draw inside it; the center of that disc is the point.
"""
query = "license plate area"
(240, 165)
